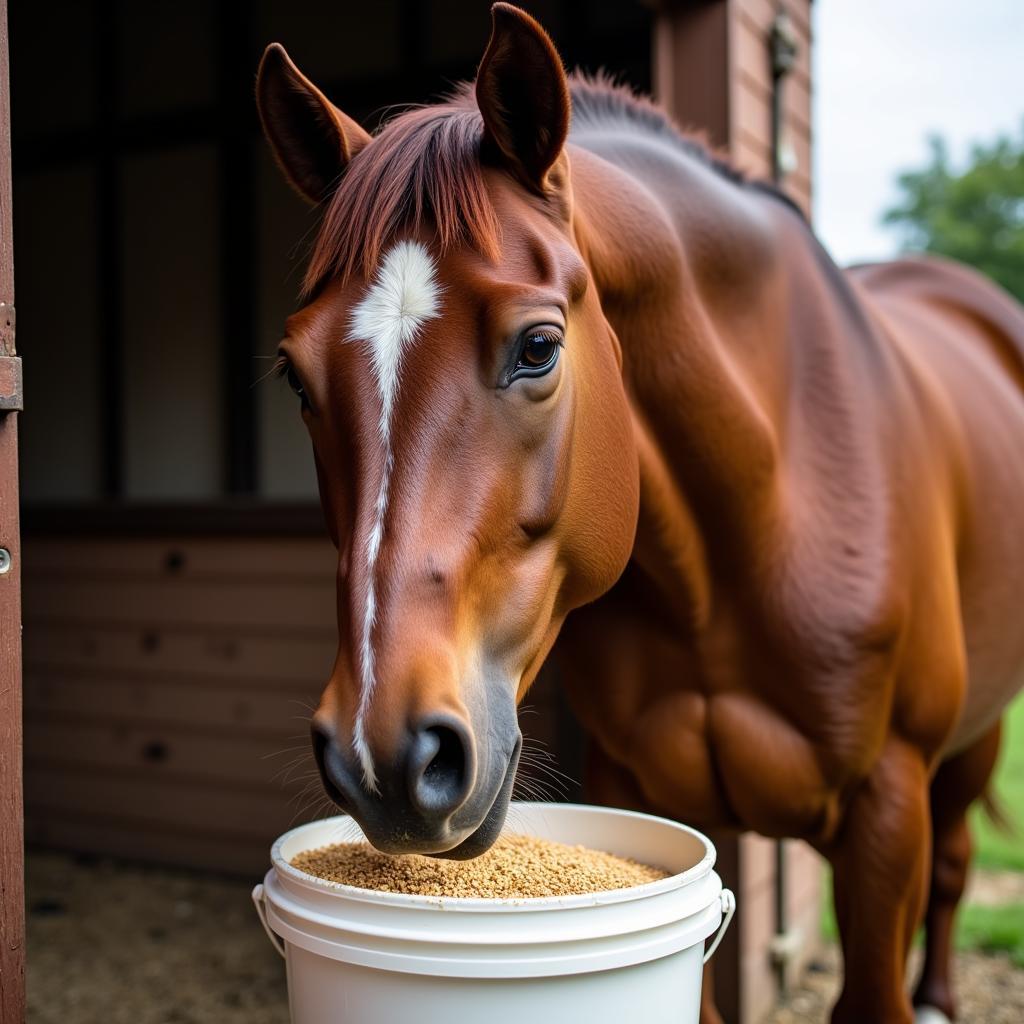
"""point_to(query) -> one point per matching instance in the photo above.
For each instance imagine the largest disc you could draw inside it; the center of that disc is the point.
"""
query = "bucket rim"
(647, 890)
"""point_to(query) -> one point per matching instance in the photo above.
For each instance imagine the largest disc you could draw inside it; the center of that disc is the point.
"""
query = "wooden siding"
(168, 683)
(756, 922)
(750, 92)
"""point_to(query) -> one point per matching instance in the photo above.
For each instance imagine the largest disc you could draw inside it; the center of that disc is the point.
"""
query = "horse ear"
(312, 140)
(523, 96)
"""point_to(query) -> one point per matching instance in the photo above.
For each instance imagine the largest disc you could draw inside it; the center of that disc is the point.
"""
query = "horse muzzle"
(441, 794)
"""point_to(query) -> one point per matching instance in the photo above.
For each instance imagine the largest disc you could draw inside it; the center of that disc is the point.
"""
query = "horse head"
(473, 443)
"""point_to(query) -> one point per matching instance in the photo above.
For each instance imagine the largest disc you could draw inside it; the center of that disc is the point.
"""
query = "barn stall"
(178, 585)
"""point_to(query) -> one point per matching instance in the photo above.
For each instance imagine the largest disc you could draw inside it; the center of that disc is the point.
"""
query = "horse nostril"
(439, 768)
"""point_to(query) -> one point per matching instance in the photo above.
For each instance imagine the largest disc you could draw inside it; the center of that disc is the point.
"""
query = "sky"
(887, 73)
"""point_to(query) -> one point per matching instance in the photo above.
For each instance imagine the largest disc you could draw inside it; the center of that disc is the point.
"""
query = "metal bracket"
(12, 398)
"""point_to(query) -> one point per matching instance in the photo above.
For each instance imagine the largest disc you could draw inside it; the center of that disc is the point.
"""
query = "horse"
(569, 376)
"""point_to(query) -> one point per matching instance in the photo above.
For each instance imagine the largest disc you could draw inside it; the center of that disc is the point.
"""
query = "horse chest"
(719, 732)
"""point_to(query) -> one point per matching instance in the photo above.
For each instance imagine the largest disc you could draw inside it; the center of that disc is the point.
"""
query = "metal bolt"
(5, 561)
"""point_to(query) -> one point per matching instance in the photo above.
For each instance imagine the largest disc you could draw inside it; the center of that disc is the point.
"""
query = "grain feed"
(516, 867)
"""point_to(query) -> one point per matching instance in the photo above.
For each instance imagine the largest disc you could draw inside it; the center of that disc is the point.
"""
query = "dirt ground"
(110, 943)
(991, 990)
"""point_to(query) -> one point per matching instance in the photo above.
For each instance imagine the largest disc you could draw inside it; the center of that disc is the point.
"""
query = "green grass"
(995, 848)
(990, 929)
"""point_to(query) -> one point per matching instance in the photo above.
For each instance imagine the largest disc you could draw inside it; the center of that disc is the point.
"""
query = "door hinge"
(11, 396)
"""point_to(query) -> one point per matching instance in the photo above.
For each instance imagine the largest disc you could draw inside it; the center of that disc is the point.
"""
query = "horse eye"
(537, 354)
(294, 383)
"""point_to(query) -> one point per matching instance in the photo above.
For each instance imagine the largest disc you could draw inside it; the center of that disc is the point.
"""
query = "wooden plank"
(51, 792)
(752, 158)
(691, 67)
(751, 116)
(205, 654)
(268, 560)
(760, 88)
(161, 752)
(128, 839)
(12, 865)
(276, 716)
(761, 13)
(758, 13)
(751, 56)
(231, 520)
(179, 602)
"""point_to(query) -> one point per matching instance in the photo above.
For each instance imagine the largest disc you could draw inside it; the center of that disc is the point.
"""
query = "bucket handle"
(260, 901)
(728, 909)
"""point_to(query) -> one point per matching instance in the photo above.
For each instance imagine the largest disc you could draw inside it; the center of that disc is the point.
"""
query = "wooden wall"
(162, 679)
(713, 70)
(750, 93)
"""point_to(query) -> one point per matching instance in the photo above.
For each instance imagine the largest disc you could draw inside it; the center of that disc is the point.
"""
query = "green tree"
(975, 215)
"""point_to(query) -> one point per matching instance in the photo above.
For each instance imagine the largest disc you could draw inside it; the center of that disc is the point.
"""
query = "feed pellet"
(516, 867)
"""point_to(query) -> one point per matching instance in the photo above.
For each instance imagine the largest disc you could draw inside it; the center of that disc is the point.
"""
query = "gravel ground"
(991, 990)
(110, 943)
(115, 944)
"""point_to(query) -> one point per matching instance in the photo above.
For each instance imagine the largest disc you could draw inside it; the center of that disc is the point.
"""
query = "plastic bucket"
(360, 957)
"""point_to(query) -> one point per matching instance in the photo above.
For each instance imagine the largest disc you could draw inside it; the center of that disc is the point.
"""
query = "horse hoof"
(929, 1015)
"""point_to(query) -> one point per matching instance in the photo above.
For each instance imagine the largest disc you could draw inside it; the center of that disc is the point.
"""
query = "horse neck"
(693, 277)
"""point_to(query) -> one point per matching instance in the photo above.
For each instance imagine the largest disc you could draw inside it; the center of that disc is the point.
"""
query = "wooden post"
(690, 73)
(12, 860)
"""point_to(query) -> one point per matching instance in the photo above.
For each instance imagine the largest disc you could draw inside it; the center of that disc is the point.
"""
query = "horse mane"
(424, 168)
(599, 101)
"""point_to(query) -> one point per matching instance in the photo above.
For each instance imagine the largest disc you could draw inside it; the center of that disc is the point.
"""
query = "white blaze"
(404, 295)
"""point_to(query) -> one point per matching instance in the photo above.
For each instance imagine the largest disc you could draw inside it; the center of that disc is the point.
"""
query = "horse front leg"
(880, 867)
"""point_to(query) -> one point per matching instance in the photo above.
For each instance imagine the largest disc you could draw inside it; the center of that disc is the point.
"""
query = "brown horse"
(598, 372)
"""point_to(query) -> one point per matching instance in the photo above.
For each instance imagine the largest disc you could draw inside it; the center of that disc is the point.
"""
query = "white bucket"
(618, 957)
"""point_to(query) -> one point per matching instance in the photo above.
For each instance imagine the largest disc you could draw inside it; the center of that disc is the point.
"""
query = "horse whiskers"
(554, 784)
(542, 759)
(314, 805)
(530, 789)
(284, 750)
(553, 773)
(546, 762)
(290, 774)
(310, 784)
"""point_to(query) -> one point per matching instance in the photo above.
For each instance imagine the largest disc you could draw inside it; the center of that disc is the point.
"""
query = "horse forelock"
(422, 170)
